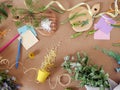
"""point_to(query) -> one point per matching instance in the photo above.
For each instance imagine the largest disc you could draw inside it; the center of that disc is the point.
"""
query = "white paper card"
(28, 39)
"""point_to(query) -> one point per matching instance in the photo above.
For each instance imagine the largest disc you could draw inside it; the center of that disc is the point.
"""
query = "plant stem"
(73, 17)
(56, 10)
(115, 25)
(116, 44)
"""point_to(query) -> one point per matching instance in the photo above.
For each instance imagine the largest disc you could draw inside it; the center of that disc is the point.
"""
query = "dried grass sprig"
(49, 60)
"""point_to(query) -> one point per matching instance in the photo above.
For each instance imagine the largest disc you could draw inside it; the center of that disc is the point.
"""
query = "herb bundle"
(90, 75)
(56, 10)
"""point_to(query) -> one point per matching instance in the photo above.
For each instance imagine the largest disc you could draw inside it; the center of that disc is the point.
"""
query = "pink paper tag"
(101, 35)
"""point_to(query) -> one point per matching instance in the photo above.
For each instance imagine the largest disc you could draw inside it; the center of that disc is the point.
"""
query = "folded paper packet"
(113, 86)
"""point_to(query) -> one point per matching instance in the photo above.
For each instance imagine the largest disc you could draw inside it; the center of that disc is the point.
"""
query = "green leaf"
(36, 23)
(18, 23)
(9, 6)
(102, 88)
(78, 56)
(3, 12)
(76, 76)
(42, 9)
(85, 60)
(29, 3)
(56, 10)
(74, 16)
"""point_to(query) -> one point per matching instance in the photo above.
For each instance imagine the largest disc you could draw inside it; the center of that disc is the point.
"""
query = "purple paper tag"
(104, 24)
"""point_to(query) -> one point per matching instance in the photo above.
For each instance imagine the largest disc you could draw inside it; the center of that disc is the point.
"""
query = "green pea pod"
(91, 32)
(115, 25)
(75, 35)
(116, 44)
(56, 10)
(68, 88)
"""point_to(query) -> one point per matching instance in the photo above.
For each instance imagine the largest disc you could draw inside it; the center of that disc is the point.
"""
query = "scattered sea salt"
(45, 24)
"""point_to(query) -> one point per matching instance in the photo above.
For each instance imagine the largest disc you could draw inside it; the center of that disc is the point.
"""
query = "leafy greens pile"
(90, 75)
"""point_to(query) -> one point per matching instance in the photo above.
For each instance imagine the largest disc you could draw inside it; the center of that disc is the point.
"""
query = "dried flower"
(49, 60)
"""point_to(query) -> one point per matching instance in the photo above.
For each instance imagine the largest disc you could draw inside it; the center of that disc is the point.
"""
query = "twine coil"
(58, 81)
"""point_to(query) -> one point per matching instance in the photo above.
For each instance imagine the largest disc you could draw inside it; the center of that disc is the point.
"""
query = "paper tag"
(101, 35)
(28, 39)
(104, 24)
(23, 29)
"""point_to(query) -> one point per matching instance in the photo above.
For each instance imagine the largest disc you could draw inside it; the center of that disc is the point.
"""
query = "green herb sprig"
(3, 10)
(83, 23)
(87, 74)
(110, 53)
(116, 44)
(115, 25)
(68, 88)
(56, 10)
(76, 15)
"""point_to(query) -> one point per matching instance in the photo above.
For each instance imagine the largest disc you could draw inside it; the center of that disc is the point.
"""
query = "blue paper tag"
(23, 29)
